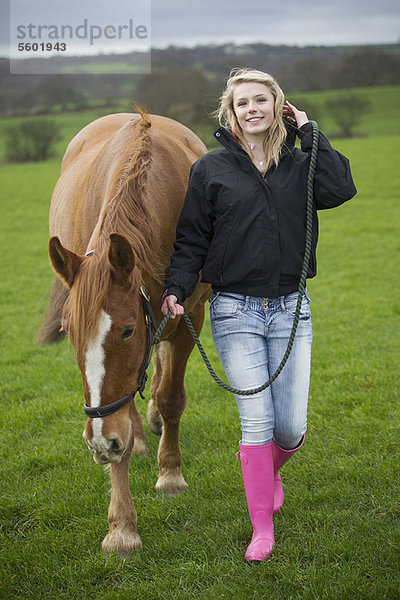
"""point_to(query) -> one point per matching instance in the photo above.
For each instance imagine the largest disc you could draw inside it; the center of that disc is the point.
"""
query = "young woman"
(243, 225)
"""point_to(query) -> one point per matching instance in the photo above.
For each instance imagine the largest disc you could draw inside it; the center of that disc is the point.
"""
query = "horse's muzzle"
(106, 458)
(103, 455)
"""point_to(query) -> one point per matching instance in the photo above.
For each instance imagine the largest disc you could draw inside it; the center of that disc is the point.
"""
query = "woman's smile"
(254, 119)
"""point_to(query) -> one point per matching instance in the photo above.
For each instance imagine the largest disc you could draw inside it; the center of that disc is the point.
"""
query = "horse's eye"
(127, 332)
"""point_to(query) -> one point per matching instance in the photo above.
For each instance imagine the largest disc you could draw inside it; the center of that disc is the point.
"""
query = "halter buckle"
(145, 293)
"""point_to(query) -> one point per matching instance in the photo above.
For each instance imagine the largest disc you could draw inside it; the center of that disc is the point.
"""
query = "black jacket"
(246, 232)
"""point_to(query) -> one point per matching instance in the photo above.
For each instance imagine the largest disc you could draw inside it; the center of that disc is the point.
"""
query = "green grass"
(337, 536)
(98, 68)
(382, 120)
(70, 123)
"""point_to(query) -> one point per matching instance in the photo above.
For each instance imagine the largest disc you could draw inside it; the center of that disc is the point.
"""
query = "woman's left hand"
(290, 111)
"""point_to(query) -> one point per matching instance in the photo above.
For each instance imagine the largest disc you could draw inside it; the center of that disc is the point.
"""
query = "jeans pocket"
(213, 297)
(290, 302)
(226, 305)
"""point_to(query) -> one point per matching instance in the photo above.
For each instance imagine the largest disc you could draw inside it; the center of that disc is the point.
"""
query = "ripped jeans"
(251, 335)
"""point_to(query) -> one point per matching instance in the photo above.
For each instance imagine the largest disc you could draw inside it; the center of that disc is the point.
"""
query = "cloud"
(187, 23)
(291, 22)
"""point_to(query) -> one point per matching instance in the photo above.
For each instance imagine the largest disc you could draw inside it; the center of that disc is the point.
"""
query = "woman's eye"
(127, 332)
(262, 100)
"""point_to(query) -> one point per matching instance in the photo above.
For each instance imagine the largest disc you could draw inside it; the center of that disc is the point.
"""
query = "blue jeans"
(251, 335)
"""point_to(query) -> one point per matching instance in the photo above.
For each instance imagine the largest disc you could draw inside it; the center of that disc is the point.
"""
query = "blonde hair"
(276, 134)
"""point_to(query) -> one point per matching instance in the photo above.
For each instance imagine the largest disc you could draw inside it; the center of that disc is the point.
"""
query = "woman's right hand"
(171, 303)
(294, 114)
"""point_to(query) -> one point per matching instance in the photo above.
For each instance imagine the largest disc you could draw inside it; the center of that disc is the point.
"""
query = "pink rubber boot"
(280, 458)
(258, 479)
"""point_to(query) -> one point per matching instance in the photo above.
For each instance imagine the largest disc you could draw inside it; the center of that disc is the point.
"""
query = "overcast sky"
(291, 22)
(187, 23)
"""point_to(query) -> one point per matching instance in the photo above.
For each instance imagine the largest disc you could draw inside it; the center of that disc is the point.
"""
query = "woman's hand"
(171, 303)
(290, 111)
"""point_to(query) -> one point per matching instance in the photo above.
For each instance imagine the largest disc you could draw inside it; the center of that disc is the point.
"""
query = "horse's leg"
(153, 417)
(171, 401)
(122, 536)
(139, 447)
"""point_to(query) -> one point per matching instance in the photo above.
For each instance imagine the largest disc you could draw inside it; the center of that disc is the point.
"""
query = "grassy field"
(338, 534)
(382, 120)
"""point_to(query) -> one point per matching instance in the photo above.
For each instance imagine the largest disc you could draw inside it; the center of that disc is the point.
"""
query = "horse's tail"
(49, 332)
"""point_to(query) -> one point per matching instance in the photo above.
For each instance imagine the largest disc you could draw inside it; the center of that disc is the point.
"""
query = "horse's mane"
(127, 213)
(127, 210)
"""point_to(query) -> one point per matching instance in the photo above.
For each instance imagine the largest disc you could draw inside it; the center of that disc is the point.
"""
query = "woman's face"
(254, 107)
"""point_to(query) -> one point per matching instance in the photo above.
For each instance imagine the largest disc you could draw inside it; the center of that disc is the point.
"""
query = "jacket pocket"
(223, 259)
(212, 270)
(242, 260)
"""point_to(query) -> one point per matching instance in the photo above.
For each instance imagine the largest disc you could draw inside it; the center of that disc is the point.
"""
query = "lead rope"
(302, 285)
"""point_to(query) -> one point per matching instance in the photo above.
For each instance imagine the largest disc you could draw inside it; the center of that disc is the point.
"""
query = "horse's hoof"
(121, 541)
(171, 484)
(153, 418)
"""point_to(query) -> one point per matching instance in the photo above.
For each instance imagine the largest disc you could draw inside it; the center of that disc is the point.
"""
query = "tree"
(182, 94)
(369, 66)
(347, 112)
(307, 73)
(31, 140)
(58, 90)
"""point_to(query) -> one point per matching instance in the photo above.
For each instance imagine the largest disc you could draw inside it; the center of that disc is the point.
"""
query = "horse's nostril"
(116, 445)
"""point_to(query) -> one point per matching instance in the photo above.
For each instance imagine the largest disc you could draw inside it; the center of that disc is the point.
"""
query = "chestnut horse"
(113, 217)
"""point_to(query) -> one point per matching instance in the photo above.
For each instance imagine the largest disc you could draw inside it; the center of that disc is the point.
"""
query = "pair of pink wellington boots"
(264, 492)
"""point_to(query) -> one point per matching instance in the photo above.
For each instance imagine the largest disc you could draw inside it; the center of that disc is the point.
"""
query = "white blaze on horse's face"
(94, 373)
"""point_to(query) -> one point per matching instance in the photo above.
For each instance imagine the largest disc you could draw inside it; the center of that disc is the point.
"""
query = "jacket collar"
(226, 138)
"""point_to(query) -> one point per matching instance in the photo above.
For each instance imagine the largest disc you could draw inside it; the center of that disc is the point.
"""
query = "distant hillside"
(298, 69)
(382, 120)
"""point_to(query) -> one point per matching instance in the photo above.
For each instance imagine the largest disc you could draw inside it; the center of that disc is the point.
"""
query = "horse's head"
(104, 320)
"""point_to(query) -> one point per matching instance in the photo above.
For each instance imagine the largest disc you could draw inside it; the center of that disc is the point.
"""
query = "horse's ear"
(65, 262)
(121, 257)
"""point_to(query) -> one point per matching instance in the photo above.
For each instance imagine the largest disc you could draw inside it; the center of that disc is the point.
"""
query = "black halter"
(96, 412)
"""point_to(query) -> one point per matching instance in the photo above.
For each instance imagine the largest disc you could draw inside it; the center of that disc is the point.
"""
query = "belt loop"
(283, 306)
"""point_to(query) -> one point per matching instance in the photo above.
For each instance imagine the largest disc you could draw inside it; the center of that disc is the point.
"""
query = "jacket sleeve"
(333, 183)
(193, 236)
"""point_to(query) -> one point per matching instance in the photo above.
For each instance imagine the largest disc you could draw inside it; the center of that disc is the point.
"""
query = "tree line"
(188, 80)
(186, 85)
